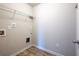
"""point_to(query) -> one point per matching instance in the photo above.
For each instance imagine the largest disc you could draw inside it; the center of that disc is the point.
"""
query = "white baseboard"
(14, 54)
(52, 52)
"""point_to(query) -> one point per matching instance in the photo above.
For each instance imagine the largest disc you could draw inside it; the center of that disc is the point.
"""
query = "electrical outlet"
(13, 25)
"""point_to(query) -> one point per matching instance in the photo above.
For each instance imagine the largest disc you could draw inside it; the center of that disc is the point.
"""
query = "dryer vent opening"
(27, 39)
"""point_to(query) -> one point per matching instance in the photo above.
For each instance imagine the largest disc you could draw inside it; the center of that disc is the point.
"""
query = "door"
(77, 45)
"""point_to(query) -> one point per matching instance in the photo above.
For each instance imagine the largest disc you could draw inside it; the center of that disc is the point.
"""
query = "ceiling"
(33, 4)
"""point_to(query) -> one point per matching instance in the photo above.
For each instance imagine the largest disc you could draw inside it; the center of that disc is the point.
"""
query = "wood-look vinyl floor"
(33, 51)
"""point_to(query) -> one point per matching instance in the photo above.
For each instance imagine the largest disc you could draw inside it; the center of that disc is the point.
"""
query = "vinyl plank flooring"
(33, 51)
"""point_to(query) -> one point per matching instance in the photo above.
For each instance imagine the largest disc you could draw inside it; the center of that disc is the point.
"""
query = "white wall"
(55, 27)
(15, 37)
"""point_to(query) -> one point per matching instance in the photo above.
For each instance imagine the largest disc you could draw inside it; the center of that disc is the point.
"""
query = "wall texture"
(55, 27)
(15, 37)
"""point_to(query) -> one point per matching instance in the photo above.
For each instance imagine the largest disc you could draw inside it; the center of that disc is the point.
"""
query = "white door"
(77, 45)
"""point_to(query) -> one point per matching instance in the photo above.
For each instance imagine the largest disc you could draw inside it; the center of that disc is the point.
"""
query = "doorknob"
(76, 41)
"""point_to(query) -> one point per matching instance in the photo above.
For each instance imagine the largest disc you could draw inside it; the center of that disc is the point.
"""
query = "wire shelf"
(8, 12)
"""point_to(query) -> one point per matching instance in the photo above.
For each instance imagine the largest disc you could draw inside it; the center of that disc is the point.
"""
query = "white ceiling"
(33, 4)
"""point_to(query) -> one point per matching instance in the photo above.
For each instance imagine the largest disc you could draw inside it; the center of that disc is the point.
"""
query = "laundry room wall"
(54, 27)
(17, 26)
